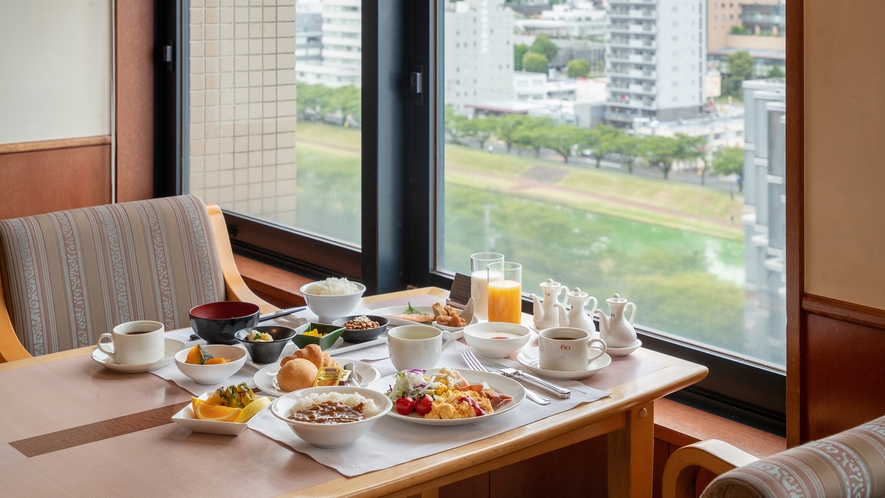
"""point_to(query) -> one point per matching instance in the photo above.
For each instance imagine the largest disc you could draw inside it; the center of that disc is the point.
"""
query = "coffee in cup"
(135, 343)
(416, 346)
(567, 349)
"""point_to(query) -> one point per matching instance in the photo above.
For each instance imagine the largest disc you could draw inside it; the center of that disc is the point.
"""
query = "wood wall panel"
(135, 63)
(43, 181)
(844, 376)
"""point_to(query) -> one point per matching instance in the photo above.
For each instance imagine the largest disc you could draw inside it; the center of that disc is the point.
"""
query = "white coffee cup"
(135, 343)
(568, 349)
(416, 346)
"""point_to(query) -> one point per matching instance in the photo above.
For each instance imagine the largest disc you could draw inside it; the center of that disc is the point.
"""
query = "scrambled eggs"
(455, 404)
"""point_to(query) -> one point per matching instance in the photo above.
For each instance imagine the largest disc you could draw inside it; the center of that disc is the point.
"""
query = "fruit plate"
(497, 382)
(266, 377)
(186, 418)
(457, 332)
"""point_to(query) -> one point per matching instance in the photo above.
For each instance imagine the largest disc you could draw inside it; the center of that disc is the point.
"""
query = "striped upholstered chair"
(850, 464)
(68, 277)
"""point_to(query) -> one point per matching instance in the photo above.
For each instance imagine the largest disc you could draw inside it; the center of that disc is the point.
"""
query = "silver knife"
(513, 373)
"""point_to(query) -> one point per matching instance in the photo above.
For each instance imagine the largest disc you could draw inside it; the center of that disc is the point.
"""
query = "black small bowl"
(362, 335)
(270, 351)
(216, 323)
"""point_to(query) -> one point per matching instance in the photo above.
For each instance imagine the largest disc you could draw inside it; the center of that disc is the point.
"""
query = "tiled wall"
(242, 91)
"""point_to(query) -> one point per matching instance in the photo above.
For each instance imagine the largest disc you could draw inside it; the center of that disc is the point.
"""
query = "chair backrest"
(850, 464)
(73, 275)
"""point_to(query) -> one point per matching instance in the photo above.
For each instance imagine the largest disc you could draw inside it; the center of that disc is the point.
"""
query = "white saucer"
(528, 357)
(172, 347)
(624, 351)
(266, 377)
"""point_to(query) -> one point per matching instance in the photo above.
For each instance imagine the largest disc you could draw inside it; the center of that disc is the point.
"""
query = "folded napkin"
(392, 442)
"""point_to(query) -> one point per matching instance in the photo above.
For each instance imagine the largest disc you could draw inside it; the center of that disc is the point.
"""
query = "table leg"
(631, 455)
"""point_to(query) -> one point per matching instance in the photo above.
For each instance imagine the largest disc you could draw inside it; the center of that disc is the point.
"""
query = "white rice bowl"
(331, 435)
(332, 287)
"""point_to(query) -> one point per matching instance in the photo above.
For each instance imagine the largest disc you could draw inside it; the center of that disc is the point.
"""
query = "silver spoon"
(354, 379)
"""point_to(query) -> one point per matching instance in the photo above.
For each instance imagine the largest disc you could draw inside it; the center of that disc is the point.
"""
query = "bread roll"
(313, 354)
(297, 373)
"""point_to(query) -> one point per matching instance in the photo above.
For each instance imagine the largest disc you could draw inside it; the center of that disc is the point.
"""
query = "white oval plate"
(457, 332)
(172, 347)
(624, 351)
(528, 357)
(186, 418)
(497, 382)
(266, 377)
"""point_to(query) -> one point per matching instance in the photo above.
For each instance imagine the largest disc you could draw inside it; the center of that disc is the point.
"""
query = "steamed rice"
(370, 409)
(332, 287)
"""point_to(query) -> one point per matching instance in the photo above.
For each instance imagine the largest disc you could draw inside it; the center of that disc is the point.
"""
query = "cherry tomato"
(404, 406)
(423, 406)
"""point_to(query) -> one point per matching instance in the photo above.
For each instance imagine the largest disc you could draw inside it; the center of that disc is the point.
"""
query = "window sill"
(276, 286)
(681, 425)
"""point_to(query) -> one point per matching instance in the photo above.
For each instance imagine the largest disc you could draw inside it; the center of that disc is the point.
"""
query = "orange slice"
(205, 411)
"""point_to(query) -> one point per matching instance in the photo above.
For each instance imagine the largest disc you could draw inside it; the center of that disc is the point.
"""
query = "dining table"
(72, 427)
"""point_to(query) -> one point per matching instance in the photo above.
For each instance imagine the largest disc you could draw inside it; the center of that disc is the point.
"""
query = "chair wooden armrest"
(11, 348)
(681, 471)
(236, 289)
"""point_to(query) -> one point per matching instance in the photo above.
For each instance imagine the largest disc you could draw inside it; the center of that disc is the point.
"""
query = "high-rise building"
(765, 222)
(655, 59)
(478, 53)
(340, 43)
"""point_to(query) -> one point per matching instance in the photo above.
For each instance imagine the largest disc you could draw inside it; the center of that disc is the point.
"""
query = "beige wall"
(55, 69)
(844, 136)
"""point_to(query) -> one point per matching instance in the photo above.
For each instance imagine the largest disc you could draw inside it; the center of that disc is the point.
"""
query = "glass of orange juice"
(505, 294)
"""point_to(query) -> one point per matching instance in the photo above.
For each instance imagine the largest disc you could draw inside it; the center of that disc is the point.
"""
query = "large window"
(601, 148)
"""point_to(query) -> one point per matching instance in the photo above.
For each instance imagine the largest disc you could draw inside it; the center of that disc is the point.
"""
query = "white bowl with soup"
(496, 339)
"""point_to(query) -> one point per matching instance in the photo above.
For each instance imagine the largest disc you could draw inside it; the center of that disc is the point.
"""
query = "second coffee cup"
(416, 346)
(568, 349)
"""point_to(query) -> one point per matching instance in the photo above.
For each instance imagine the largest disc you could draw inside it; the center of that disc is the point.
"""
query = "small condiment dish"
(330, 334)
(215, 373)
(330, 435)
(361, 335)
(264, 352)
(327, 307)
(496, 339)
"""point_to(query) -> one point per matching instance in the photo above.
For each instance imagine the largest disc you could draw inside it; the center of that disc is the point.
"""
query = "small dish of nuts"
(361, 328)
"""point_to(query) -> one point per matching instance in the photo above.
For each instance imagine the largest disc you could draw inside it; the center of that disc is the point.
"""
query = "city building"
(529, 86)
(340, 44)
(308, 32)
(579, 22)
(655, 60)
(758, 29)
(765, 203)
(720, 130)
(479, 53)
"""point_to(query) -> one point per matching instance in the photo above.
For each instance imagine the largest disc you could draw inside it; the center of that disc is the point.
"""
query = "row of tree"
(602, 142)
(319, 101)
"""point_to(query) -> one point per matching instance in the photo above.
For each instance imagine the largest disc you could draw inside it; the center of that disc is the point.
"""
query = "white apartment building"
(578, 22)
(529, 86)
(655, 59)
(341, 44)
(478, 53)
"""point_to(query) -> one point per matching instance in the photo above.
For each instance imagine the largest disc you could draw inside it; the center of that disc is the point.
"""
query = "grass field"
(655, 201)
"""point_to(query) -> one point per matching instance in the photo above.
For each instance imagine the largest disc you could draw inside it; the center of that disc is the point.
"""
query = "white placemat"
(392, 442)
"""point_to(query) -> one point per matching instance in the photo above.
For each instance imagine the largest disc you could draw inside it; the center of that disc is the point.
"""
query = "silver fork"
(474, 364)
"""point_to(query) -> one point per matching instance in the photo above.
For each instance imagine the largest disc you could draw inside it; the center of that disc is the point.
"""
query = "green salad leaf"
(412, 311)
